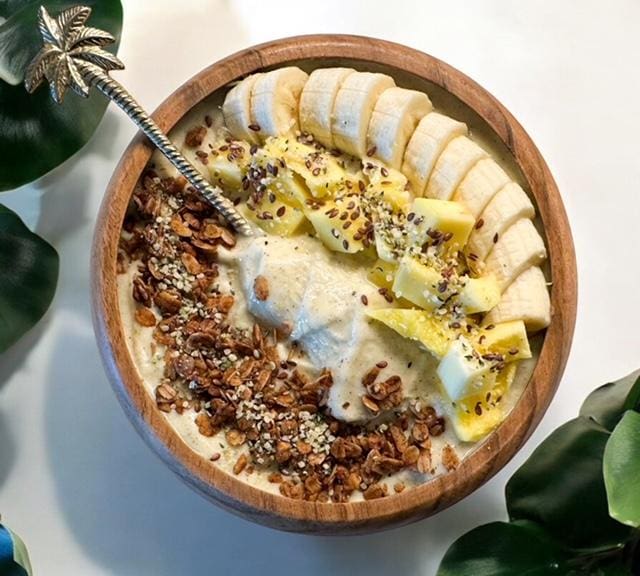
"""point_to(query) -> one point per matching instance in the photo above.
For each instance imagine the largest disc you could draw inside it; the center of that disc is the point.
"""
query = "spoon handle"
(73, 57)
(113, 90)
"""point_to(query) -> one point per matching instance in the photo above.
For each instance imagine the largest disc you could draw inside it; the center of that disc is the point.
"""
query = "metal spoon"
(73, 57)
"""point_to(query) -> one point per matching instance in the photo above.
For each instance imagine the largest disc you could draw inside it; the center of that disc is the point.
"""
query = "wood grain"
(273, 510)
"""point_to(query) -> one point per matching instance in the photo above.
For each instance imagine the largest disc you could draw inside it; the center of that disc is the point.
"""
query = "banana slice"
(519, 248)
(274, 102)
(352, 110)
(527, 299)
(317, 100)
(394, 119)
(429, 139)
(480, 185)
(236, 110)
(460, 155)
(508, 205)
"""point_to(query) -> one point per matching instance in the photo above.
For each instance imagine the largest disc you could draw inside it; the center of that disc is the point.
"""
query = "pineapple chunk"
(330, 220)
(508, 338)
(475, 416)
(390, 184)
(289, 188)
(225, 173)
(384, 250)
(378, 173)
(275, 217)
(382, 274)
(286, 184)
(442, 215)
(462, 371)
(321, 172)
(398, 198)
(227, 167)
(328, 181)
(417, 283)
(480, 294)
(417, 325)
(277, 147)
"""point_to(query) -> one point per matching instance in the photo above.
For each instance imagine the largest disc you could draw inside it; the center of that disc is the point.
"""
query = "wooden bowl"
(408, 67)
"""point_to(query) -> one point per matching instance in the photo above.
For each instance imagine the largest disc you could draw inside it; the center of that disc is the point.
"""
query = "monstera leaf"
(36, 134)
(29, 274)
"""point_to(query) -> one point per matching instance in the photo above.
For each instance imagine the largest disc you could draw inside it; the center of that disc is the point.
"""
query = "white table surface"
(78, 483)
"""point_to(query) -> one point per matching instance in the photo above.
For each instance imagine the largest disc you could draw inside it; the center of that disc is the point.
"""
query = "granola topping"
(237, 384)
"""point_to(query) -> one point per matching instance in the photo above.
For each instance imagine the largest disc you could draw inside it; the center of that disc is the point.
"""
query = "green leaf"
(607, 403)
(502, 549)
(622, 470)
(29, 274)
(561, 487)
(36, 134)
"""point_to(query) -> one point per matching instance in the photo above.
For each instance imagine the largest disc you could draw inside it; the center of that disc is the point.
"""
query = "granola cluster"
(236, 382)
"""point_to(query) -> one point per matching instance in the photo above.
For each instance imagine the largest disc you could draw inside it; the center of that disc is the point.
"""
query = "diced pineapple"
(275, 217)
(398, 198)
(225, 173)
(338, 224)
(384, 249)
(417, 283)
(479, 294)
(508, 338)
(289, 187)
(277, 147)
(442, 215)
(382, 274)
(282, 181)
(377, 173)
(462, 371)
(321, 172)
(476, 416)
(227, 167)
(324, 178)
(390, 184)
(417, 325)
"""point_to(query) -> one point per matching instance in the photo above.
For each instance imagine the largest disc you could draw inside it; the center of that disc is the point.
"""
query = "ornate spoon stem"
(113, 90)
(72, 57)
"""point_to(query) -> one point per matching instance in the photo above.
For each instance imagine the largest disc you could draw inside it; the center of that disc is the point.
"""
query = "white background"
(79, 485)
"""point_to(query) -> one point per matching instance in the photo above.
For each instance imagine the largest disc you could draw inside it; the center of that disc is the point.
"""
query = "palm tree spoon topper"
(73, 57)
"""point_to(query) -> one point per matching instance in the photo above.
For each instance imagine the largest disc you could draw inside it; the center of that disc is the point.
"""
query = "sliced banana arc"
(353, 108)
(394, 119)
(507, 206)
(460, 155)
(527, 299)
(430, 138)
(519, 248)
(274, 101)
(317, 101)
(359, 111)
(480, 185)
(236, 110)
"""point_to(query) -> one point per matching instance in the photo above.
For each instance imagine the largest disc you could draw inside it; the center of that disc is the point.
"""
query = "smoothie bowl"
(395, 327)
